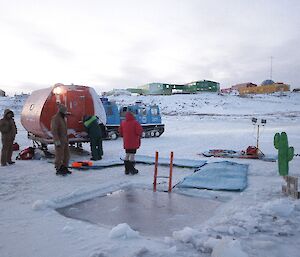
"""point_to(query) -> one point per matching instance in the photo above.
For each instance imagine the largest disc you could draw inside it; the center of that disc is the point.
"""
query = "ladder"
(156, 171)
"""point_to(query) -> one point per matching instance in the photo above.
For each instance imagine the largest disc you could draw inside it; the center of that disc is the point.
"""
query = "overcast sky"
(126, 43)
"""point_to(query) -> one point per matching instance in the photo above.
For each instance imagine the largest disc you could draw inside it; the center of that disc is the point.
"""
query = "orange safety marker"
(81, 163)
(155, 171)
(171, 172)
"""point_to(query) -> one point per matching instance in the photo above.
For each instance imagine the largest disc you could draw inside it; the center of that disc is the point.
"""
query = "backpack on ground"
(26, 154)
(252, 150)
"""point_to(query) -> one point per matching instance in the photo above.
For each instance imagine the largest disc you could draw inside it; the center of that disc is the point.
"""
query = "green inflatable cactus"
(285, 153)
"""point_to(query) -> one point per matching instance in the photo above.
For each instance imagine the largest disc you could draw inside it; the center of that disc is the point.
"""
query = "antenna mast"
(271, 67)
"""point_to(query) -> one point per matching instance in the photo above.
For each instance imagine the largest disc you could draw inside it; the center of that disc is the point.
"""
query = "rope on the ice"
(296, 154)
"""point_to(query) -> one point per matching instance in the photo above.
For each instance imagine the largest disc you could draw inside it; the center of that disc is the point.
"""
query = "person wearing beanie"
(8, 131)
(61, 141)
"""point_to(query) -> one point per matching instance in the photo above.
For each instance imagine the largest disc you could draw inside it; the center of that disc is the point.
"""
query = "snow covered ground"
(259, 221)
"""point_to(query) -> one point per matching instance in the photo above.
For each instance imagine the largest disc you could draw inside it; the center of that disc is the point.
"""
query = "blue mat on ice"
(185, 163)
(218, 176)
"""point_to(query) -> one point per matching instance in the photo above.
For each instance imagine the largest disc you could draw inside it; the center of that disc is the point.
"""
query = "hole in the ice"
(150, 213)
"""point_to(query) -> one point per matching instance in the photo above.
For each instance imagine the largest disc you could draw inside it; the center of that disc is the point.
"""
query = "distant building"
(247, 84)
(267, 82)
(267, 87)
(203, 86)
(189, 88)
(226, 90)
(160, 88)
(2, 93)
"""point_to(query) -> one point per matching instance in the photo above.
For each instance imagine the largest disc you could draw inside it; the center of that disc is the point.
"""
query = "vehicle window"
(143, 112)
(154, 111)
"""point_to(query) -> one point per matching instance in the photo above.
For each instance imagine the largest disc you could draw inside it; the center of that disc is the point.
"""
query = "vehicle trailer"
(42, 105)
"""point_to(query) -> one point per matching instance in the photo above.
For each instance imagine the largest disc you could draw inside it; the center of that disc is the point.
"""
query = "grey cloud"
(35, 36)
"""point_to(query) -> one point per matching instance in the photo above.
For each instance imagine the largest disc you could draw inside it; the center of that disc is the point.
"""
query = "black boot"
(61, 171)
(66, 170)
(132, 170)
(126, 164)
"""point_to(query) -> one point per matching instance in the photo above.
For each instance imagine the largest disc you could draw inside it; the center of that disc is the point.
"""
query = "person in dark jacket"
(61, 141)
(131, 131)
(95, 134)
(8, 133)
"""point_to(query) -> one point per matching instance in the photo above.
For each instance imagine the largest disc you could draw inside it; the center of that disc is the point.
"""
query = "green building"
(203, 86)
(158, 88)
(189, 88)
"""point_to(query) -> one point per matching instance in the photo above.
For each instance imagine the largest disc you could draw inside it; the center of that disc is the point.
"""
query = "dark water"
(150, 213)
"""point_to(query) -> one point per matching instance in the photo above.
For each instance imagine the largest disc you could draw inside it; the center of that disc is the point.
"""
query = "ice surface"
(150, 213)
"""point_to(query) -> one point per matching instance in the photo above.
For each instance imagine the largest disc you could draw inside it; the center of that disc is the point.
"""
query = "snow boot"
(132, 170)
(126, 164)
(65, 169)
(61, 171)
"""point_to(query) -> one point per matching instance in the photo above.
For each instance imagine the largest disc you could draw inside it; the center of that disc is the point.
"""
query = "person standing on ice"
(95, 134)
(8, 133)
(61, 141)
(131, 131)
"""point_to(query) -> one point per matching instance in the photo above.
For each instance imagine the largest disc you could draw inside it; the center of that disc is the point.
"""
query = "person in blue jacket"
(95, 134)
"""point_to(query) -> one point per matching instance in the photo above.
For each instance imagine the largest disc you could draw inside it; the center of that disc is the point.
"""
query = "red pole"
(155, 171)
(171, 172)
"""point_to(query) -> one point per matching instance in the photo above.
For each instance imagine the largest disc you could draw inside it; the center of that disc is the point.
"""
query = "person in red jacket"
(131, 131)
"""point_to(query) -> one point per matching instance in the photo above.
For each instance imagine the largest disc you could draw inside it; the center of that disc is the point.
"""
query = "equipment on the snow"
(26, 154)
(255, 122)
(252, 150)
(87, 165)
(285, 153)
(225, 153)
(147, 115)
(81, 164)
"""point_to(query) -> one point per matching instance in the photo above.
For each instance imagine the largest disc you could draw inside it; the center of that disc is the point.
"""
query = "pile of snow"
(228, 248)
(123, 231)
(279, 207)
(186, 235)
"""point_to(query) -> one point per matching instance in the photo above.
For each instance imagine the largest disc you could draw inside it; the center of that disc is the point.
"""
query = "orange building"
(267, 87)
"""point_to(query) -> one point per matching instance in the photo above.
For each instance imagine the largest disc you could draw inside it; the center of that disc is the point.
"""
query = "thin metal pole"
(155, 171)
(271, 67)
(171, 172)
(257, 136)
